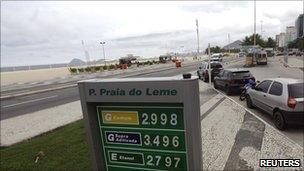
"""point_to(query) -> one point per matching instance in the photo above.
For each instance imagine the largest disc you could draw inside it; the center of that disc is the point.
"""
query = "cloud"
(51, 32)
(214, 7)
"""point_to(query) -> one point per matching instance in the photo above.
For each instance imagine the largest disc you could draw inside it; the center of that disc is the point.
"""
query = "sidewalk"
(235, 139)
(295, 63)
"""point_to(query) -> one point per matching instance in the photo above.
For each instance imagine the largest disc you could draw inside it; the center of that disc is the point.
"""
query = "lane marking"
(35, 100)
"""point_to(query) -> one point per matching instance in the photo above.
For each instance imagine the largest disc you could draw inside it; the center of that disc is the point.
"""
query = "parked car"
(242, 54)
(282, 98)
(290, 53)
(202, 72)
(279, 53)
(232, 79)
(217, 57)
(299, 53)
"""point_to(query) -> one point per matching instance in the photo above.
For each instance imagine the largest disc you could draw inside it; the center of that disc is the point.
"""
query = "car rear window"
(241, 74)
(216, 66)
(296, 90)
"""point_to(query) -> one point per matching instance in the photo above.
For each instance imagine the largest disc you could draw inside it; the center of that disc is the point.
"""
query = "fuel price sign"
(146, 124)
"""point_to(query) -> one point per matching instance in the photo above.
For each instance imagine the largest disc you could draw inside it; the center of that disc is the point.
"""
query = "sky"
(47, 32)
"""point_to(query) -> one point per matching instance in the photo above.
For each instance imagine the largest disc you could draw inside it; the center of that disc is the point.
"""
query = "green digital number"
(153, 119)
(167, 161)
(161, 141)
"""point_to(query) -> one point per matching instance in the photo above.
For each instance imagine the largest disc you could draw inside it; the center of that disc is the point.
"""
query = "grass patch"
(63, 149)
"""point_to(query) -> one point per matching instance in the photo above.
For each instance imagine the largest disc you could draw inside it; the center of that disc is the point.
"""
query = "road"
(31, 103)
(27, 104)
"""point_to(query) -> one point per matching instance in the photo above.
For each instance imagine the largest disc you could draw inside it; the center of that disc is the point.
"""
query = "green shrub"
(117, 66)
(88, 69)
(111, 67)
(73, 70)
(80, 70)
(105, 67)
(97, 68)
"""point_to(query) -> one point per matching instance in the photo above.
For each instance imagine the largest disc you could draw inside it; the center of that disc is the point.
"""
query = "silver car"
(281, 97)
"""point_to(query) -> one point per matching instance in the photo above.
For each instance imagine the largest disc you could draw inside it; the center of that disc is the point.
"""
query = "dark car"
(232, 79)
(202, 72)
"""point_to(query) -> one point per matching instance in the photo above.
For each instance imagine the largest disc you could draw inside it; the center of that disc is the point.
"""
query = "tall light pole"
(209, 65)
(261, 28)
(254, 36)
(197, 37)
(254, 30)
(104, 55)
(229, 42)
(86, 53)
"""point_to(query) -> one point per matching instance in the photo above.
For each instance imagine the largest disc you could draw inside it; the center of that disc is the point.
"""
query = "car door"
(274, 96)
(205, 69)
(225, 78)
(259, 97)
(219, 81)
(201, 69)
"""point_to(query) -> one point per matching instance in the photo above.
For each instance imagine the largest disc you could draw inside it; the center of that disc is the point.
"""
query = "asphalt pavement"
(27, 104)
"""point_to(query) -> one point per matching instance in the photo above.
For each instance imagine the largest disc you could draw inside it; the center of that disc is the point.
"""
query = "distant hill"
(76, 62)
(234, 45)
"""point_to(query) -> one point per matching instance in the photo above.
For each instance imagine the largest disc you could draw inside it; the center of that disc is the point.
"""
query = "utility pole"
(86, 53)
(254, 36)
(197, 37)
(261, 28)
(104, 55)
(209, 66)
(229, 42)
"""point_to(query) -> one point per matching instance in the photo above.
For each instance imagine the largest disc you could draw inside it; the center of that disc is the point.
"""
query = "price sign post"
(143, 123)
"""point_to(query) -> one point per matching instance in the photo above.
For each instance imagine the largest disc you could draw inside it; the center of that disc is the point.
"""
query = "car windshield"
(241, 74)
(216, 65)
(296, 90)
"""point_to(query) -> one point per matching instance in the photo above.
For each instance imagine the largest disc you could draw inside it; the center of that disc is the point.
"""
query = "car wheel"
(199, 76)
(278, 120)
(204, 78)
(249, 102)
(228, 90)
(215, 85)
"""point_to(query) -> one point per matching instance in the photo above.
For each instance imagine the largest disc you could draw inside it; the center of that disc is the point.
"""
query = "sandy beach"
(20, 77)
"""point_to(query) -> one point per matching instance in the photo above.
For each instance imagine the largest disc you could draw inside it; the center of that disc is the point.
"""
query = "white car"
(282, 98)
(216, 57)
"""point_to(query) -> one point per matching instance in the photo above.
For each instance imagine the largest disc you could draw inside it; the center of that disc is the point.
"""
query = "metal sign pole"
(209, 66)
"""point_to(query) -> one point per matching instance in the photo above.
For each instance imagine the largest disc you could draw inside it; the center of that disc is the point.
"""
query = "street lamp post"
(254, 34)
(104, 55)
(209, 65)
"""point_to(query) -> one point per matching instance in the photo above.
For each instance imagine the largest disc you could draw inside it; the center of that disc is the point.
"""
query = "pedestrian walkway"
(234, 139)
(295, 63)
